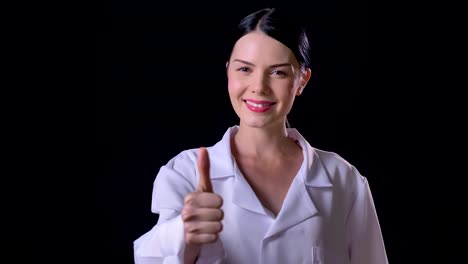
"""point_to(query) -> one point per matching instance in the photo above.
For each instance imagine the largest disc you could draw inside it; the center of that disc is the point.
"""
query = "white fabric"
(328, 215)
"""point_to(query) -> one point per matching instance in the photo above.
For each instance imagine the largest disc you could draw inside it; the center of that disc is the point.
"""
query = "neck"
(262, 143)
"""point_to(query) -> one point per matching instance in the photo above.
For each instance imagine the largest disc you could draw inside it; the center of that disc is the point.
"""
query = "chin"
(257, 122)
(253, 122)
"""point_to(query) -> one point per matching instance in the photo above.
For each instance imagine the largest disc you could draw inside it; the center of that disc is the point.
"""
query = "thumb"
(204, 185)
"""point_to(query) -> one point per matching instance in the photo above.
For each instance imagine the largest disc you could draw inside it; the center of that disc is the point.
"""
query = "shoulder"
(344, 178)
(181, 166)
(332, 160)
(327, 168)
(182, 159)
(340, 170)
(188, 157)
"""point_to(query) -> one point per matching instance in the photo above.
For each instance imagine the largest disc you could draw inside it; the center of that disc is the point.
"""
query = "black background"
(133, 83)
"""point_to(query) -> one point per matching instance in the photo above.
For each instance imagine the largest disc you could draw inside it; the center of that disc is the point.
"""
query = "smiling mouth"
(258, 106)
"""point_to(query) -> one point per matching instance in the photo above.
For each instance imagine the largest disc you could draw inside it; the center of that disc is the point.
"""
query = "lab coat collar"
(297, 206)
(220, 165)
(313, 172)
(316, 175)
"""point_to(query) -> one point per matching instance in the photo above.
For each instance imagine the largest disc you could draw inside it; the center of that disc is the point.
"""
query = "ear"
(305, 77)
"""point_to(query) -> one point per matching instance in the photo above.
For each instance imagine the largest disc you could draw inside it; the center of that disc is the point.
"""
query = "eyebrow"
(271, 66)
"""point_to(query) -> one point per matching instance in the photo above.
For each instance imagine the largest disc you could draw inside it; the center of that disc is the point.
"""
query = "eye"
(243, 69)
(278, 72)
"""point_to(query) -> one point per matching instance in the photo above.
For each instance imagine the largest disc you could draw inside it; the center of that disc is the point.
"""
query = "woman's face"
(263, 79)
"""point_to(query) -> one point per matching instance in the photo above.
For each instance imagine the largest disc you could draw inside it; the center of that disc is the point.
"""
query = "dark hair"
(280, 25)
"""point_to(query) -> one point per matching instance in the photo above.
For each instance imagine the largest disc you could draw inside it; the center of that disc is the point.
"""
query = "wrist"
(191, 253)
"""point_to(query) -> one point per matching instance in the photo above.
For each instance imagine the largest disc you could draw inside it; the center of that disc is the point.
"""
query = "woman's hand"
(202, 212)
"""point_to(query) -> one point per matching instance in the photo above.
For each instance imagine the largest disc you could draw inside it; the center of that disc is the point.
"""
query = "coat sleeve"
(164, 243)
(365, 241)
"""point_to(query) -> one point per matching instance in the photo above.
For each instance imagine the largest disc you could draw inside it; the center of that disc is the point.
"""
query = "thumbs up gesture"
(202, 212)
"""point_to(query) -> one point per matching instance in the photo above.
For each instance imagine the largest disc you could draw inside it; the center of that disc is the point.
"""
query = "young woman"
(263, 194)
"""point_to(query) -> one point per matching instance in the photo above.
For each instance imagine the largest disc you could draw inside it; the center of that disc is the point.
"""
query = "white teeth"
(257, 105)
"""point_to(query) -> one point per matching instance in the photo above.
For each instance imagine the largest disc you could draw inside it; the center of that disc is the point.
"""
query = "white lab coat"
(328, 215)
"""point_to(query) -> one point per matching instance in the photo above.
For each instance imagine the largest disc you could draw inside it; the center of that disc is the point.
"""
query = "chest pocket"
(317, 255)
(322, 256)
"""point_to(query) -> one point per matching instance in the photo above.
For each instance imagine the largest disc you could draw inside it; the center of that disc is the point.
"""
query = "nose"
(259, 84)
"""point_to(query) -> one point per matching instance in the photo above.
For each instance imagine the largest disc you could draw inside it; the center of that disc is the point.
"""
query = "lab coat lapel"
(244, 196)
(298, 205)
(223, 165)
